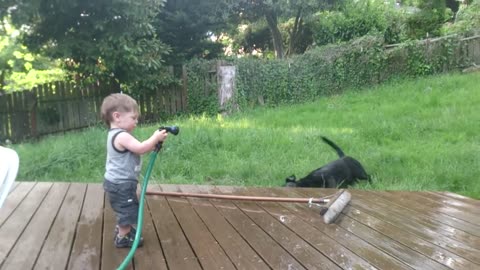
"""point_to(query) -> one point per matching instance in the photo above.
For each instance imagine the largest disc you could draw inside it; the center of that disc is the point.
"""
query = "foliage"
(261, 81)
(19, 68)
(275, 12)
(467, 21)
(357, 19)
(298, 35)
(188, 26)
(426, 58)
(331, 69)
(253, 36)
(202, 87)
(97, 39)
(428, 20)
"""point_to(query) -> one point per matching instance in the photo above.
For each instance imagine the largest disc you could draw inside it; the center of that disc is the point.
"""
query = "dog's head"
(291, 181)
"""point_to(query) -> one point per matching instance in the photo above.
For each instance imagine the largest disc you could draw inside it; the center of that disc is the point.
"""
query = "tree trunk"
(271, 18)
(2, 80)
(294, 33)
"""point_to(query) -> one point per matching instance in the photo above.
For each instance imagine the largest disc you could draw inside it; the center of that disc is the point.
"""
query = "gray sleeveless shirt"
(121, 166)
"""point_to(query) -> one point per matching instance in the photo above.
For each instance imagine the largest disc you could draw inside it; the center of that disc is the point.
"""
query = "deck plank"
(319, 240)
(361, 247)
(112, 257)
(464, 230)
(465, 204)
(268, 249)
(175, 245)
(308, 256)
(410, 222)
(428, 249)
(13, 227)
(452, 221)
(208, 251)
(86, 249)
(458, 197)
(15, 197)
(150, 256)
(386, 243)
(369, 203)
(427, 203)
(32, 238)
(57, 246)
(236, 248)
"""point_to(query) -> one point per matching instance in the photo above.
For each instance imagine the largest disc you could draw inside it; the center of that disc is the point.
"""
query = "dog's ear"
(291, 181)
(291, 178)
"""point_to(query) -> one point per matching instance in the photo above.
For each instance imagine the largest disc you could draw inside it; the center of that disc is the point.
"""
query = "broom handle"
(239, 198)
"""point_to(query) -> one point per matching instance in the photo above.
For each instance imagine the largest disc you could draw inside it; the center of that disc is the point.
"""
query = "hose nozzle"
(172, 129)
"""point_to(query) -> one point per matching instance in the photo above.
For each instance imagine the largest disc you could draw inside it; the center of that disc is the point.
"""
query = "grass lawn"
(420, 134)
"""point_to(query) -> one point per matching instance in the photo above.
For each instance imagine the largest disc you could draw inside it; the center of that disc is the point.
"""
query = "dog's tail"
(334, 146)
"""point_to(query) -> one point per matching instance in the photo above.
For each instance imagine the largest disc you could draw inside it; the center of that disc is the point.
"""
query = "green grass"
(418, 134)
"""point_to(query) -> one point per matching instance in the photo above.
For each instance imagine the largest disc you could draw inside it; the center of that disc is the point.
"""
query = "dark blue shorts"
(124, 201)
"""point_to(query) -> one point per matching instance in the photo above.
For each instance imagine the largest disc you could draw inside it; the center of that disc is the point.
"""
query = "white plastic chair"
(9, 162)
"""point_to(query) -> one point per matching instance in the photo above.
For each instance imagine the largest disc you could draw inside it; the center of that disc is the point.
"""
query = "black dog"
(336, 174)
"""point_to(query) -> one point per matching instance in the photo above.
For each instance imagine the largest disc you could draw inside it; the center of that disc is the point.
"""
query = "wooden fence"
(62, 106)
(470, 46)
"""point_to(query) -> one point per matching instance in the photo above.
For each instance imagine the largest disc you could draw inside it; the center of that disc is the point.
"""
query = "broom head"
(336, 206)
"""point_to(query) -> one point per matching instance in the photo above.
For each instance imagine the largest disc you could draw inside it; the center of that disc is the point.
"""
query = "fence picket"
(184, 87)
(4, 121)
(60, 94)
(33, 112)
(8, 105)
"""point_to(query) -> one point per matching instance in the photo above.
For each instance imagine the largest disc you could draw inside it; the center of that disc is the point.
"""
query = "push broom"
(330, 206)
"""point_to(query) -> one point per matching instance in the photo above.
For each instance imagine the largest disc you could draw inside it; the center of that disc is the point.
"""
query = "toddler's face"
(127, 120)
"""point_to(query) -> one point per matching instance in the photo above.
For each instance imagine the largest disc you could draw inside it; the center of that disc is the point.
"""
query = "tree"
(96, 38)
(187, 27)
(276, 11)
(428, 20)
(19, 68)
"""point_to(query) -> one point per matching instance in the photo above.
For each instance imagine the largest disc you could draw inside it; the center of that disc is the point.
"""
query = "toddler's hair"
(117, 103)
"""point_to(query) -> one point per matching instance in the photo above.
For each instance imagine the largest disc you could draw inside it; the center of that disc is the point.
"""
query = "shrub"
(467, 21)
(357, 19)
(322, 71)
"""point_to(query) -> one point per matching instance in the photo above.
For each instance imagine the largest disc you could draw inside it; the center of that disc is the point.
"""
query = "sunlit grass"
(412, 135)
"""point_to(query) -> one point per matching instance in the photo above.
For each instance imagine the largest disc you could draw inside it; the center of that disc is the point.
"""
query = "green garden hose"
(170, 129)
(129, 257)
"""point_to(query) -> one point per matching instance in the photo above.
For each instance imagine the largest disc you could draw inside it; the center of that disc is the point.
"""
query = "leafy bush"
(202, 87)
(425, 23)
(252, 36)
(318, 72)
(467, 20)
(322, 71)
(357, 19)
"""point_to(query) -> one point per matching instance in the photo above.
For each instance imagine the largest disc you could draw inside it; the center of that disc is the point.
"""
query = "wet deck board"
(70, 226)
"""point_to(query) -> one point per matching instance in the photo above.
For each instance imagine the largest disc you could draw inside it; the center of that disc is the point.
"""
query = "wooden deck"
(69, 226)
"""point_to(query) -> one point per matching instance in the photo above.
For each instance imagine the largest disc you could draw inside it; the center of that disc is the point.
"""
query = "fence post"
(184, 88)
(33, 112)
